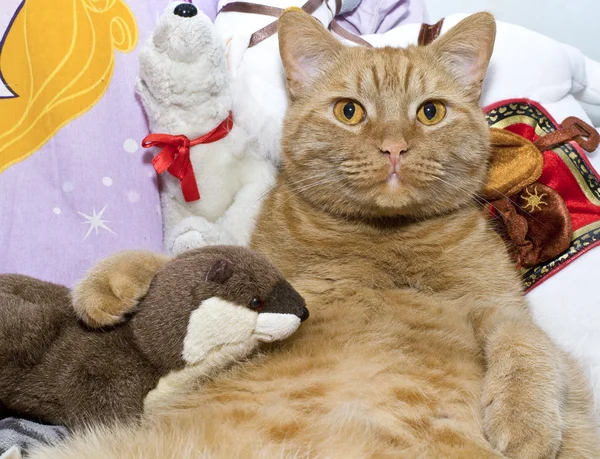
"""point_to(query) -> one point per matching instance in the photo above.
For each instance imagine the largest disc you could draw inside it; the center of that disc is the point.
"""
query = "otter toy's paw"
(114, 286)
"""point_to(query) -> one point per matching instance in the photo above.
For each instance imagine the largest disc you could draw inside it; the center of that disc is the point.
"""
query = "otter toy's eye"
(431, 112)
(348, 111)
(256, 304)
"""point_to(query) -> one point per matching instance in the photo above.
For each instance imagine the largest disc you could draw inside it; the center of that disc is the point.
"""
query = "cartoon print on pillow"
(46, 85)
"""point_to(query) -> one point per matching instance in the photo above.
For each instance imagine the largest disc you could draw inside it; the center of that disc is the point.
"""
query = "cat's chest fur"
(441, 255)
(390, 343)
(379, 365)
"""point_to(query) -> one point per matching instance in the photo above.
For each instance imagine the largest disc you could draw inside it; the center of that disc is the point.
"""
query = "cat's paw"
(191, 239)
(523, 426)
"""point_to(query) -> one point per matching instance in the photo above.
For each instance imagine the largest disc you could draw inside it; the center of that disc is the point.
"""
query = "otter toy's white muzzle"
(274, 326)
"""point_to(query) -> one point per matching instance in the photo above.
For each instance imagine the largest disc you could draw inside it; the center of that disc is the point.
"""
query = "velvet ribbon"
(175, 155)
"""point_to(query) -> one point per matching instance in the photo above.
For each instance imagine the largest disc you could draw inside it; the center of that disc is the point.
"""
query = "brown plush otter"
(206, 308)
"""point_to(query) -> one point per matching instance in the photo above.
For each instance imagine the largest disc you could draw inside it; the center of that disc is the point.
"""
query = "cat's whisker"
(462, 189)
(481, 199)
(312, 177)
(315, 184)
(520, 207)
(250, 208)
(296, 191)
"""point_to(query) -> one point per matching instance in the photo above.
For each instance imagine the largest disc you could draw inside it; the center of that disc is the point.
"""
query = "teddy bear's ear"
(220, 272)
(114, 286)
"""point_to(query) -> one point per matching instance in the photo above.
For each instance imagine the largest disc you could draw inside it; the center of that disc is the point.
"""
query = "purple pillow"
(75, 185)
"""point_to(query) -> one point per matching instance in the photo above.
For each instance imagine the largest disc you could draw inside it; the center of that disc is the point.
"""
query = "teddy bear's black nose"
(304, 315)
(186, 10)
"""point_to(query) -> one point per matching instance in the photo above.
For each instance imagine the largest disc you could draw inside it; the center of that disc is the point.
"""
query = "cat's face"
(385, 132)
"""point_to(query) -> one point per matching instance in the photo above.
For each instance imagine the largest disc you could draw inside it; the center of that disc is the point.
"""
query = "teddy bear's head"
(211, 302)
(183, 75)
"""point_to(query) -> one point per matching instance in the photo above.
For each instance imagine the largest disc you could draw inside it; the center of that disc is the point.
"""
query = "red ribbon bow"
(175, 155)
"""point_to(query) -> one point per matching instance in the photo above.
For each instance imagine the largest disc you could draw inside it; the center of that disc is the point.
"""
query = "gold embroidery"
(534, 200)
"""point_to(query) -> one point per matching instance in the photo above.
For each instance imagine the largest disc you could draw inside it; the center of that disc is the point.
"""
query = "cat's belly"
(355, 386)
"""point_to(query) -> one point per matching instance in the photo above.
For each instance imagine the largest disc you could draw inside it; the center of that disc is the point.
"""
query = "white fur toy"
(185, 89)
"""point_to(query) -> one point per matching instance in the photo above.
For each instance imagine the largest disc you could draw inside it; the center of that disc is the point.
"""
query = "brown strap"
(572, 128)
(428, 33)
(262, 34)
(309, 7)
(251, 8)
(338, 29)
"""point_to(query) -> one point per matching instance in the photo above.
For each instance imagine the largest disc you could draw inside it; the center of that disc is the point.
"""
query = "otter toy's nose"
(186, 10)
(305, 314)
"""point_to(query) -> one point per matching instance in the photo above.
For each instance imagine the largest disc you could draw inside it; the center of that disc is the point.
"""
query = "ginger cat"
(420, 343)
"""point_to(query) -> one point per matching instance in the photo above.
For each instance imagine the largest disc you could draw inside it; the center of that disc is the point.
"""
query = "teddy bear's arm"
(237, 223)
(114, 286)
(590, 94)
(186, 234)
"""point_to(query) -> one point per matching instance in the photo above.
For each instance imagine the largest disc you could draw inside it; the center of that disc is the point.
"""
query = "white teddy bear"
(185, 89)
(217, 125)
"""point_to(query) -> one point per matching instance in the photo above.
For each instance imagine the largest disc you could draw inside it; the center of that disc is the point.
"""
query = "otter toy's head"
(214, 301)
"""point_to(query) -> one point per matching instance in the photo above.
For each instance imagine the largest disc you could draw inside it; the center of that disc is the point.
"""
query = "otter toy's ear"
(114, 287)
(220, 272)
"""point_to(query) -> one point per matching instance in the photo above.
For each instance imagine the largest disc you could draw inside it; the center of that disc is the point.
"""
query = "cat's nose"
(186, 10)
(393, 149)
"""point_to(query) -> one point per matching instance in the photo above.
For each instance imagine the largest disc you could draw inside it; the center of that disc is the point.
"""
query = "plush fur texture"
(197, 311)
(185, 89)
(420, 344)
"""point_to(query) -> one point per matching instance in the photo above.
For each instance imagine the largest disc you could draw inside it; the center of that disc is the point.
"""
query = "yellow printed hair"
(58, 61)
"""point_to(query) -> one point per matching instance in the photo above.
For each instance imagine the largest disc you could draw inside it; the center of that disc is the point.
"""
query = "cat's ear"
(305, 47)
(466, 50)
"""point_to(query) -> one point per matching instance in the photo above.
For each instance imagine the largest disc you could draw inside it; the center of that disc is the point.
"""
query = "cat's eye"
(348, 111)
(431, 112)
(256, 304)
